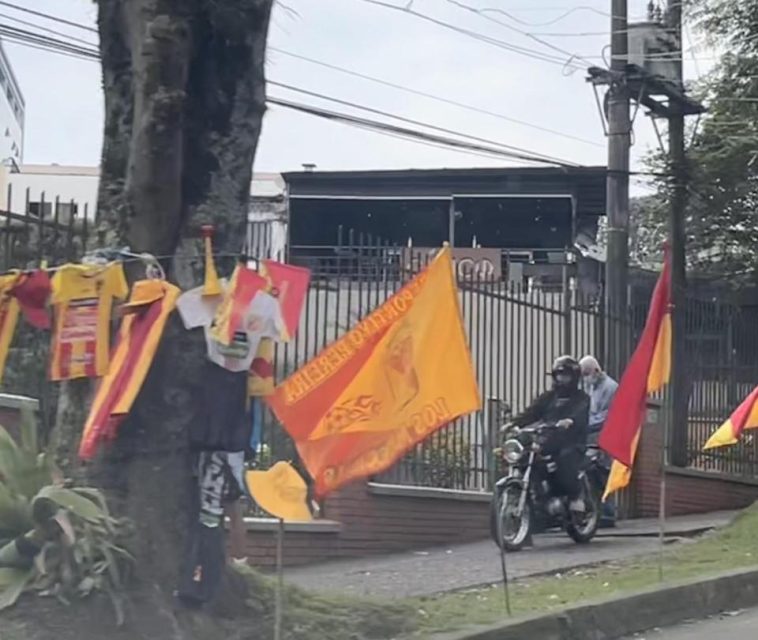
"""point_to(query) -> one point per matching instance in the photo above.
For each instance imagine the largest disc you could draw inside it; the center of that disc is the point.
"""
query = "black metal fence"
(722, 369)
(516, 328)
(47, 229)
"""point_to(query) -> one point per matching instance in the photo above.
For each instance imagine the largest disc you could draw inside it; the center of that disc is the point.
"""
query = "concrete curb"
(630, 614)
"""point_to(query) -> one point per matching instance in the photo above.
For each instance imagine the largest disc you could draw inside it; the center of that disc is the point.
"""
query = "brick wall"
(687, 491)
(376, 519)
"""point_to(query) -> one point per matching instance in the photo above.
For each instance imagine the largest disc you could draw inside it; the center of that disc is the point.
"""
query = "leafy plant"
(82, 546)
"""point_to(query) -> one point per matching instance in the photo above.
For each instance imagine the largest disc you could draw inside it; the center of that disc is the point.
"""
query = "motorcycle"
(523, 501)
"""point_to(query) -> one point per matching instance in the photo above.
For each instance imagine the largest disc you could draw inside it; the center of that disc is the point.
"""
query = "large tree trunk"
(184, 101)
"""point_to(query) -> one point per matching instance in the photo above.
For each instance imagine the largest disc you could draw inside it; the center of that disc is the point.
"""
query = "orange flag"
(744, 417)
(395, 378)
(648, 371)
(146, 313)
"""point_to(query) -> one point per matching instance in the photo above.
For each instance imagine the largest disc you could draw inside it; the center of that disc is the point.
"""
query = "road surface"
(738, 626)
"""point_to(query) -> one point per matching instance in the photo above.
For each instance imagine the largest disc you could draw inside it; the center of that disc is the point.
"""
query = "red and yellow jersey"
(83, 298)
(9, 309)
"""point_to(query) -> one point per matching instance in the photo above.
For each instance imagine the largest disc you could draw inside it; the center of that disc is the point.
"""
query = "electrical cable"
(530, 53)
(511, 151)
(48, 16)
(387, 114)
(432, 96)
(466, 7)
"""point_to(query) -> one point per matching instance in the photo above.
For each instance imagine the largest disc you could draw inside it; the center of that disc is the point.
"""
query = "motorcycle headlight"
(512, 451)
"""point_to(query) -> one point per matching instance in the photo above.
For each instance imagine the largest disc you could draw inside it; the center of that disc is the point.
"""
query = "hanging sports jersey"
(83, 297)
(261, 319)
(9, 309)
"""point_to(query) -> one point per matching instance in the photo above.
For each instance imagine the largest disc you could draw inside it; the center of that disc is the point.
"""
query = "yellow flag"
(395, 378)
(280, 491)
(211, 286)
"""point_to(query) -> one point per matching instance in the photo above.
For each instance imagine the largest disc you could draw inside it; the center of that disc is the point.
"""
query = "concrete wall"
(69, 183)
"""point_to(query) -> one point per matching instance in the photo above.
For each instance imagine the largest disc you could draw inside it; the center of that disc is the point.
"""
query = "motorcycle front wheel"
(508, 529)
(583, 527)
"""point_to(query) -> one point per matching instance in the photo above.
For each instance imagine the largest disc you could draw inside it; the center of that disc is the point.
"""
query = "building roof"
(586, 184)
(267, 185)
(263, 185)
(59, 170)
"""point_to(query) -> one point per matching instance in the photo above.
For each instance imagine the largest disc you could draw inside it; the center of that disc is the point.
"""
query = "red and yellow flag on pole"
(648, 371)
(395, 378)
(745, 417)
(145, 316)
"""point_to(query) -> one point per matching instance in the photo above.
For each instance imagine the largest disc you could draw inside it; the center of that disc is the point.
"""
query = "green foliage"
(446, 460)
(722, 225)
(82, 544)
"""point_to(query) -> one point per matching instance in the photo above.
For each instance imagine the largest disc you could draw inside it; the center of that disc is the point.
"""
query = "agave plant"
(86, 550)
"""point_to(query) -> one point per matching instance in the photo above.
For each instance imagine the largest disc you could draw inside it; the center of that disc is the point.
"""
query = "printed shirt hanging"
(82, 299)
(149, 307)
(9, 309)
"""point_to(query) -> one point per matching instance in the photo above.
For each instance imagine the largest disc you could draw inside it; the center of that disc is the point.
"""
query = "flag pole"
(279, 581)
(667, 418)
(503, 563)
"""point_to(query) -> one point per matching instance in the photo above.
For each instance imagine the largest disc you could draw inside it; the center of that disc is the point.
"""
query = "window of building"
(66, 209)
(35, 208)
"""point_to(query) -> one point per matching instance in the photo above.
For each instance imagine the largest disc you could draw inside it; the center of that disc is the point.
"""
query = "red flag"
(244, 286)
(290, 286)
(32, 291)
(619, 434)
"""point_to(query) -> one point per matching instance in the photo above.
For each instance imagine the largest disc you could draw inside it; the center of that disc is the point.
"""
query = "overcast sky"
(64, 98)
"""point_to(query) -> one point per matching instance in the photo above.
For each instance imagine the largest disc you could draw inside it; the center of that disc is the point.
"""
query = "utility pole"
(617, 210)
(677, 240)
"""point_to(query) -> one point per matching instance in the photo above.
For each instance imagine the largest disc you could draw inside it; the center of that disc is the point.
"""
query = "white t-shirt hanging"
(196, 309)
(262, 320)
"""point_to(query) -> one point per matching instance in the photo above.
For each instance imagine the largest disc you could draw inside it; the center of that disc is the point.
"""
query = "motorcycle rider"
(567, 407)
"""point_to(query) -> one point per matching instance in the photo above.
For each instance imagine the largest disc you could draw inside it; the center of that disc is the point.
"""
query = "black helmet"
(566, 374)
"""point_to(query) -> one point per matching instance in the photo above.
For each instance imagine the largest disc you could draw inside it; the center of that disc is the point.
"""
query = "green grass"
(731, 548)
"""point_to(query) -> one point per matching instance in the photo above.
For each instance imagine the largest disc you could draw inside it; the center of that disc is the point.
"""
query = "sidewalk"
(423, 573)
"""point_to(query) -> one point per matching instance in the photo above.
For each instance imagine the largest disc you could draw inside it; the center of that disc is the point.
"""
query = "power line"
(530, 53)
(548, 23)
(22, 35)
(408, 133)
(488, 146)
(527, 155)
(486, 16)
(48, 16)
(432, 96)
(53, 31)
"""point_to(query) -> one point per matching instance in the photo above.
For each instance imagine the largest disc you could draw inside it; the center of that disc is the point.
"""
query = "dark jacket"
(550, 408)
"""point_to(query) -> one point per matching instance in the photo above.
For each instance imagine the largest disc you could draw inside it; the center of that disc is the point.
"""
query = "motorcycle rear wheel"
(508, 530)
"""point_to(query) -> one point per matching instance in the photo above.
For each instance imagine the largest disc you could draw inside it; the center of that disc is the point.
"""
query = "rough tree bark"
(184, 100)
